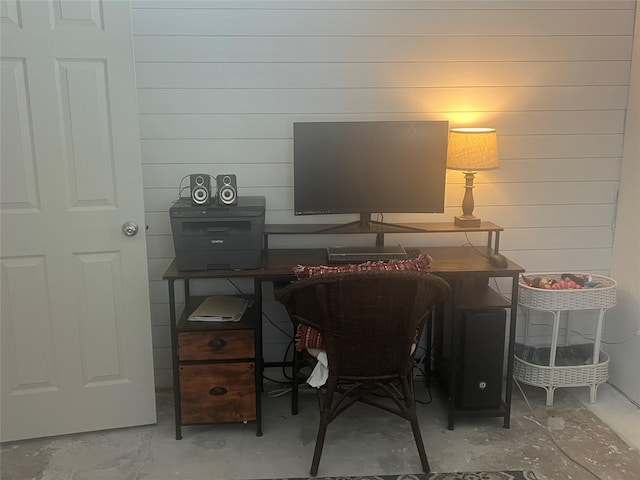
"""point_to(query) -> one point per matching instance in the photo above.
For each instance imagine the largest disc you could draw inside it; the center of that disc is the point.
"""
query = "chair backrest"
(369, 320)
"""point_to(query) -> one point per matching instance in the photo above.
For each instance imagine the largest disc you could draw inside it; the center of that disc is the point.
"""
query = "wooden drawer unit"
(211, 393)
(216, 367)
(216, 345)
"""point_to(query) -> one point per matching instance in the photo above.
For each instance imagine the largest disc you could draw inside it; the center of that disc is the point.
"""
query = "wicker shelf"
(552, 376)
(602, 296)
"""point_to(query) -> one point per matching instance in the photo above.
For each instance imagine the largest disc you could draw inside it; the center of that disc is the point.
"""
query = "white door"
(76, 334)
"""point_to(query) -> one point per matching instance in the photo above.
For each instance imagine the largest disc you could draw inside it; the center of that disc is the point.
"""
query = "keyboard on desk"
(369, 254)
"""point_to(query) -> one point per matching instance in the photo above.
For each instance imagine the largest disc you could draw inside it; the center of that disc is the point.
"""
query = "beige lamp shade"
(472, 149)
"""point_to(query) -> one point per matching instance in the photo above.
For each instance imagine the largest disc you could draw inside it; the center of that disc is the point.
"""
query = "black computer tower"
(481, 359)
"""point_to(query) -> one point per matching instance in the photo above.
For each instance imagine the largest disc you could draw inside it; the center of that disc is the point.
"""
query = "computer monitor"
(369, 167)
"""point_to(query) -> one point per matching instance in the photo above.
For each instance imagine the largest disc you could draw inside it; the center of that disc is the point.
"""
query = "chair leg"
(325, 418)
(412, 417)
(417, 435)
(295, 382)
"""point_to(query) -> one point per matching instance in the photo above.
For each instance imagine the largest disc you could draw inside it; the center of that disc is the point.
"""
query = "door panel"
(27, 327)
(18, 182)
(86, 136)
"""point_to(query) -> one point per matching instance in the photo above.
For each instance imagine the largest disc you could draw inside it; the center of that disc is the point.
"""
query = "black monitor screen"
(369, 167)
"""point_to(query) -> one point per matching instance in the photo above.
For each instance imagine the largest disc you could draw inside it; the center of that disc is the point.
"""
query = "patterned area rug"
(510, 475)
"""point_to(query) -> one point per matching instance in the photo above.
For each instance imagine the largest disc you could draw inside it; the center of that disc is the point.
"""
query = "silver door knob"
(129, 228)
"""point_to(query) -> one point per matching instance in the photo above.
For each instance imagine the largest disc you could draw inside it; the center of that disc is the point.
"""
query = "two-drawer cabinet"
(216, 369)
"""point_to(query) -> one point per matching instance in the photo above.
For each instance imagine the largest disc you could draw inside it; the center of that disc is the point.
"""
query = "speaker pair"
(226, 187)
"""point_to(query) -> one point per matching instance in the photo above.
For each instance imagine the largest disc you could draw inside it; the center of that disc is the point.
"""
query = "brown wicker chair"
(369, 321)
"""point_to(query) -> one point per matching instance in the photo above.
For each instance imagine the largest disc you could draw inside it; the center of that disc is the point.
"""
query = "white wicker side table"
(552, 376)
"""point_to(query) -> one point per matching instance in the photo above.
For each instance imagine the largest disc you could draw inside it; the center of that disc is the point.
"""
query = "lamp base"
(467, 221)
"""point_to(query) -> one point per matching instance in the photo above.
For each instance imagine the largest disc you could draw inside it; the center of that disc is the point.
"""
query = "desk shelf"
(380, 229)
(481, 297)
(333, 228)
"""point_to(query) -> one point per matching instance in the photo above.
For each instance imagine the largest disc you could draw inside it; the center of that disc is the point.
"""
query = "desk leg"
(174, 359)
(257, 291)
(429, 352)
(511, 351)
(454, 356)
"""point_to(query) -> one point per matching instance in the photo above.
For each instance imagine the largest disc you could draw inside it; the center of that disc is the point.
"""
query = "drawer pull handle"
(217, 391)
(217, 343)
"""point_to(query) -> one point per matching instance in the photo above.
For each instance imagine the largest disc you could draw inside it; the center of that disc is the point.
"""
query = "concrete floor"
(365, 441)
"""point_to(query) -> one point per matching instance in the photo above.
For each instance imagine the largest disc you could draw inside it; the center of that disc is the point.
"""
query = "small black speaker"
(227, 189)
(200, 184)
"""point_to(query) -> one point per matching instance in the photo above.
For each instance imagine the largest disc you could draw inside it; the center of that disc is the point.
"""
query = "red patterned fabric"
(420, 264)
(309, 337)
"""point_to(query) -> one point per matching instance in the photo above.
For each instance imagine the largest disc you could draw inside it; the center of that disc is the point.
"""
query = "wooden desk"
(467, 270)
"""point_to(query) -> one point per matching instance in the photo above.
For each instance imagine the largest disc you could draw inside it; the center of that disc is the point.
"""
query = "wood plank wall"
(221, 82)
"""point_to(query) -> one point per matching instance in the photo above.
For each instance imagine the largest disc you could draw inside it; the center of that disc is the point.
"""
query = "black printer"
(218, 237)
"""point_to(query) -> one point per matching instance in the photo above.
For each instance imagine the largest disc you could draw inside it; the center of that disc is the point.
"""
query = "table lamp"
(471, 150)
